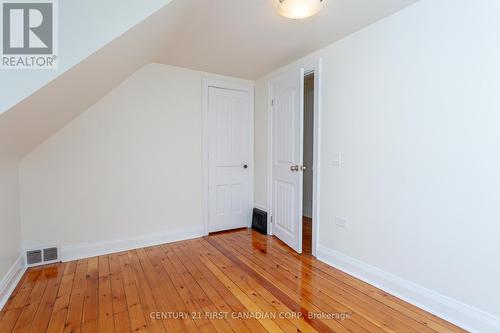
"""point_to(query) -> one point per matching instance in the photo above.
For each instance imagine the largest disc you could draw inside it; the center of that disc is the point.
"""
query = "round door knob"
(245, 166)
(294, 168)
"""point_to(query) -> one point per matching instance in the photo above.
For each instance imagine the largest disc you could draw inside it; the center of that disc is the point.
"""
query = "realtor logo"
(29, 34)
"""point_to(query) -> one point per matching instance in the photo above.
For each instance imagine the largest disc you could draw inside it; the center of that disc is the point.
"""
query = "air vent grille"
(50, 254)
(34, 257)
(42, 256)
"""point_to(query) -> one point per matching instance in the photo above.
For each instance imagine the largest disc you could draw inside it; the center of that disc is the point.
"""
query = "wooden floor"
(231, 282)
(306, 234)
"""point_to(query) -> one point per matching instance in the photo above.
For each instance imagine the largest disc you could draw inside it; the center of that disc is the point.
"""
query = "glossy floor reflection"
(237, 281)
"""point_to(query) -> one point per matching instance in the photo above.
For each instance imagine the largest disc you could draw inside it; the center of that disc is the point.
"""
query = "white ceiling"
(241, 38)
(247, 38)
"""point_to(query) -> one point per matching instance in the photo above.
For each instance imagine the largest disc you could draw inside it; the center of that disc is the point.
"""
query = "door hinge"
(271, 219)
(272, 102)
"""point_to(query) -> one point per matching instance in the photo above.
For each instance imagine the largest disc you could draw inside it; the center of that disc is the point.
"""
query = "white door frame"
(240, 85)
(308, 66)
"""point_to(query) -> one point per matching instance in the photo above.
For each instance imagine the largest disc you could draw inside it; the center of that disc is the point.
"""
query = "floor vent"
(259, 221)
(42, 256)
(50, 254)
(34, 257)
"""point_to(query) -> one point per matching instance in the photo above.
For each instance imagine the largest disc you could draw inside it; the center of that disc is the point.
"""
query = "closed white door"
(287, 145)
(229, 147)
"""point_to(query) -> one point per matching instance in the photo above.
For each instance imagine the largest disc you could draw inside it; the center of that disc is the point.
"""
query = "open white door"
(287, 133)
(229, 158)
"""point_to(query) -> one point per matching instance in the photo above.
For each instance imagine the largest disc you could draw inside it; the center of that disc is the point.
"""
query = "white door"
(287, 132)
(229, 149)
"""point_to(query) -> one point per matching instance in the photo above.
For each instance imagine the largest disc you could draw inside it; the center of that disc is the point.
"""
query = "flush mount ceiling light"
(299, 9)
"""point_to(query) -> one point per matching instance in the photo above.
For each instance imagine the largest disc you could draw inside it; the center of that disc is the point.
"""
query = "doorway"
(308, 157)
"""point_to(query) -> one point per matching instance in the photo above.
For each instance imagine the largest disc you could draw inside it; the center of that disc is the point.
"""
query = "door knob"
(245, 166)
(303, 168)
(294, 168)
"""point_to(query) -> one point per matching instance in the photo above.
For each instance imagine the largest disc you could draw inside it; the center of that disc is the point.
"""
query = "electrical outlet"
(342, 222)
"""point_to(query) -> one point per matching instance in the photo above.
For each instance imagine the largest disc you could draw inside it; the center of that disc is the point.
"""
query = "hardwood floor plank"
(60, 311)
(146, 295)
(237, 281)
(122, 322)
(364, 315)
(221, 296)
(316, 267)
(252, 286)
(105, 321)
(193, 304)
(70, 267)
(135, 310)
(249, 304)
(30, 309)
(306, 234)
(167, 297)
(75, 310)
(14, 306)
(23, 290)
(213, 302)
(9, 319)
(304, 323)
(23, 323)
(90, 307)
(117, 290)
(66, 285)
(89, 327)
(42, 317)
(59, 314)
(203, 303)
(375, 311)
(311, 297)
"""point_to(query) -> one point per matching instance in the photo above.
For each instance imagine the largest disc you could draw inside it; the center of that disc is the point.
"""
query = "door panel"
(229, 151)
(287, 133)
(285, 193)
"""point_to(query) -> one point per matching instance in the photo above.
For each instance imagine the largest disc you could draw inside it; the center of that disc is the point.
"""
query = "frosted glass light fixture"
(299, 9)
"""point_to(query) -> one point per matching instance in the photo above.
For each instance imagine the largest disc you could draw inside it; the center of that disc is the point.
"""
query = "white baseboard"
(87, 250)
(460, 314)
(11, 279)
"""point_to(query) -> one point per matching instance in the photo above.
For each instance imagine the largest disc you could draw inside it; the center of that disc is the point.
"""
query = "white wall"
(130, 166)
(412, 103)
(10, 226)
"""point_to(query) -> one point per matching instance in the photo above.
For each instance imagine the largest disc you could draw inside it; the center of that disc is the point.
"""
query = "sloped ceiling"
(33, 120)
(240, 38)
(84, 27)
(247, 38)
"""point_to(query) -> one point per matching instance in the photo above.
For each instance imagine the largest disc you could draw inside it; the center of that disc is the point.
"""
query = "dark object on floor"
(259, 221)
